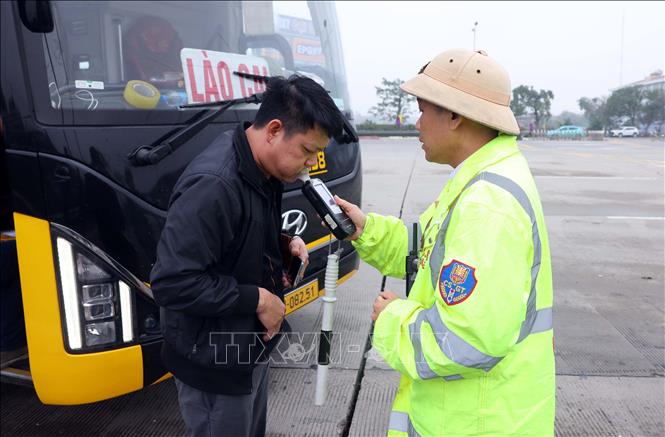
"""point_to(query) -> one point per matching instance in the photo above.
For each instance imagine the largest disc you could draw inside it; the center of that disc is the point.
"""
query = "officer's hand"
(298, 248)
(270, 311)
(381, 301)
(355, 214)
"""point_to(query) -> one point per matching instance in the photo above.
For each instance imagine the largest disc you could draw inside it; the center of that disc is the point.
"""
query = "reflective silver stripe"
(399, 421)
(423, 369)
(412, 431)
(543, 321)
(455, 348)
(439, 249)
(453, 377)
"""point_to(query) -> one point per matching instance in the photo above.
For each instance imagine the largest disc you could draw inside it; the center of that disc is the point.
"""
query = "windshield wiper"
(152, 154)
(256, 77)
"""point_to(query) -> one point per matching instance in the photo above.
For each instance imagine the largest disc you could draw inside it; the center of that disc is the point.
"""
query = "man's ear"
(273, 128)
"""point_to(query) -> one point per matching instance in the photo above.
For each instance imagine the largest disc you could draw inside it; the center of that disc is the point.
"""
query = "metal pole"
(475, 26)
(623, 17)
(332, 273)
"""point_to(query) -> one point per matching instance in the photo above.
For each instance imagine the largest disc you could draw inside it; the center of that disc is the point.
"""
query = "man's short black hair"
(300, 104)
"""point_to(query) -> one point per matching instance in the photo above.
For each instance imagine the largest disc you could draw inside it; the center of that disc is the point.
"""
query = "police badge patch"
(456, 282)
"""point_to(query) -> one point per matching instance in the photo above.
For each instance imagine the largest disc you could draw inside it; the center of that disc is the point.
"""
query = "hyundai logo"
(294, 222)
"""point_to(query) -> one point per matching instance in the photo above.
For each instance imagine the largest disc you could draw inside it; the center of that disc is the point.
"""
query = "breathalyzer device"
(324, 203)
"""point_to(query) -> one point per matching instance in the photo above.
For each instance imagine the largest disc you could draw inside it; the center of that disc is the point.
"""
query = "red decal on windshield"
(211, 91)
(196, 96)
(225, 80)
(246, 91)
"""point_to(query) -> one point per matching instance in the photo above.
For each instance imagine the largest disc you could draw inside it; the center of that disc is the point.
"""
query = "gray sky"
(571, 48)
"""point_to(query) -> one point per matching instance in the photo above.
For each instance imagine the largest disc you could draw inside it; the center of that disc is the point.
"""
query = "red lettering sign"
(196, 96)
(225, 80)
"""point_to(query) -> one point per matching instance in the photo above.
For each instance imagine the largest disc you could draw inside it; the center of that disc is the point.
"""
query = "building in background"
(654, 81)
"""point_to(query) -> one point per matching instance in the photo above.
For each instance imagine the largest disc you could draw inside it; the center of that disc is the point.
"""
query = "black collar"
(247, 166)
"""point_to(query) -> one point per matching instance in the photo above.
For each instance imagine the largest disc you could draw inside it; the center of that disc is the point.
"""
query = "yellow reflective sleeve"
(391, 337)
(384, 244)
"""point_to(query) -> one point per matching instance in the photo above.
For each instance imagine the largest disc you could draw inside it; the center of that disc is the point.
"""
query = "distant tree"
(625, 103)
(527, 101)
(393, 102)
(653, 108)
(594, 111)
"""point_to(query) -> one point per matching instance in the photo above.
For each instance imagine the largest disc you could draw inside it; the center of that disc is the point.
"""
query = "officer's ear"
(455, 119)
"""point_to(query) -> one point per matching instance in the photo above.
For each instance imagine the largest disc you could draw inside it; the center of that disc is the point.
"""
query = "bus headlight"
(96, 299)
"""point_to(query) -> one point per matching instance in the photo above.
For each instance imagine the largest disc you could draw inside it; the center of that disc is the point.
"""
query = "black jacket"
(220, 242)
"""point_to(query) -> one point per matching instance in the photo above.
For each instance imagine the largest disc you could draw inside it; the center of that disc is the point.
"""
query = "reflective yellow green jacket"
(473, 342)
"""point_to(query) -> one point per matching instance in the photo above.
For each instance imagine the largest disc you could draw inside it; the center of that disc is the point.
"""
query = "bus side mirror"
(36, 15)
(348, 135)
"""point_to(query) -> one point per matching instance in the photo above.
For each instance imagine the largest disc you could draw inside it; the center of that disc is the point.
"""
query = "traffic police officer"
(473, 341)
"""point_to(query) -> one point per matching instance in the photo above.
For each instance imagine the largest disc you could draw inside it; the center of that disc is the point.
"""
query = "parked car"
(625, 131)
(566, 131)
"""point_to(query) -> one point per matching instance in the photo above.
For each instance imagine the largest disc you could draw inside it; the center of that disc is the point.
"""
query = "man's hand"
(381, 301)
(298, 248)
(355, 214)
(270, 311)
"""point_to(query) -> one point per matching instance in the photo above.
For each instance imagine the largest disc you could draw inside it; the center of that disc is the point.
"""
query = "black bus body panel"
(65, 169)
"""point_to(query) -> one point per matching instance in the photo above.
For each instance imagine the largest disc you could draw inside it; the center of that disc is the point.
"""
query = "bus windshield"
(157, 55)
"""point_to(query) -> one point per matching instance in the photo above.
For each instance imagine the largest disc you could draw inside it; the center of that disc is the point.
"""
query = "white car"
(626, 131)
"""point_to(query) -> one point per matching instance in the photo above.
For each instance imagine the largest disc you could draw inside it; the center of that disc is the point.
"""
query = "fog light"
(99, 333)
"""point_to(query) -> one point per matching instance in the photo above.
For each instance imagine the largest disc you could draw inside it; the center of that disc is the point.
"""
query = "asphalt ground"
(604, 209)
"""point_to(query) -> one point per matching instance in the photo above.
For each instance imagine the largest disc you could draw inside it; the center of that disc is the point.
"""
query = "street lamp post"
(475, 26)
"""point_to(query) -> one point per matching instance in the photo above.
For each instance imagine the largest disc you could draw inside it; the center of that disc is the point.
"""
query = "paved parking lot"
(604, 208)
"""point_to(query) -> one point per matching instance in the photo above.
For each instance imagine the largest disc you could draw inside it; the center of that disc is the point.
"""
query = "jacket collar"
(491, 153)
(247, 166)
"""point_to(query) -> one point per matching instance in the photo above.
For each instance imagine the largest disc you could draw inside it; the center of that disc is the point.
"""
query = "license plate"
(301, 296)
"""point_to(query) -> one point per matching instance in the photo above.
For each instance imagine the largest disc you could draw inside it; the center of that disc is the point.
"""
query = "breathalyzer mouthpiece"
(304, 175)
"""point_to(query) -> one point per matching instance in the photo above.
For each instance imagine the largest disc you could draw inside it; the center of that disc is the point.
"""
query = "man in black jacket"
(218, 277)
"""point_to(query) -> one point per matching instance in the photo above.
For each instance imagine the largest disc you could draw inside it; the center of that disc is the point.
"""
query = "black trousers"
(215, 415)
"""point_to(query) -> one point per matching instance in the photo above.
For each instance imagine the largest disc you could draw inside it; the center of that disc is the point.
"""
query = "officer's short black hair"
(301, 104)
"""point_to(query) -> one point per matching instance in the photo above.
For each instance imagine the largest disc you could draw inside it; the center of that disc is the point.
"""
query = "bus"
(91, 94)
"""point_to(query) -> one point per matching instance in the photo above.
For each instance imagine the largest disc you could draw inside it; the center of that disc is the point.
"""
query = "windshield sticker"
(89, 84)
(209, 75)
